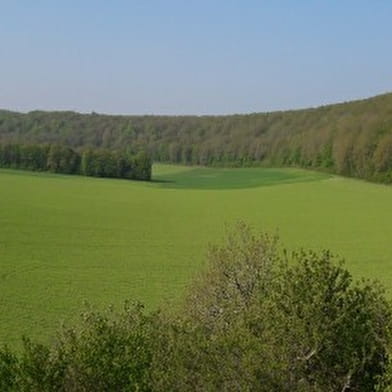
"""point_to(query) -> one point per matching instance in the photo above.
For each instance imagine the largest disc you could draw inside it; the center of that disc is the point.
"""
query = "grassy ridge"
(64, 239)
(213, 179)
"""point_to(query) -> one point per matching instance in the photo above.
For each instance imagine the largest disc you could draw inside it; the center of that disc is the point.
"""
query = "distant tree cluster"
(61, 159)
(352, 139)
(258, 319)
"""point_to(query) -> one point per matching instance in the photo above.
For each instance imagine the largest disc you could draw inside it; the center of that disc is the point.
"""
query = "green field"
(66, 239)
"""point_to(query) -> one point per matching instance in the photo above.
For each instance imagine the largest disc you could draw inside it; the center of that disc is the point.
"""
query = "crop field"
(68, 239)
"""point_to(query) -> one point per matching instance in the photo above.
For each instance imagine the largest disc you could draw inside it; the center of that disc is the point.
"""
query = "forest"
(61, 159)
(351, 139)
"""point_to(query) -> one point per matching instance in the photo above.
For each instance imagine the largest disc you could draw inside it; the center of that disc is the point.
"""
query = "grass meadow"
(68, 239)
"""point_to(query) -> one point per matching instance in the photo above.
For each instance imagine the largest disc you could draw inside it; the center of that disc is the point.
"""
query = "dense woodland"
(258, 319)
(61, 159)
(352, 139)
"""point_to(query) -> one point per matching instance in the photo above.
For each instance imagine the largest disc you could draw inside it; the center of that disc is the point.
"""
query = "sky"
(192, 57)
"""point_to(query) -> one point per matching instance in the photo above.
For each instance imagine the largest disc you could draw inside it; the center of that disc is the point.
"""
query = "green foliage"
(108, 351)
(258, 318)
(61, 159)
(143, 165)
(333, 334)
(8, 369)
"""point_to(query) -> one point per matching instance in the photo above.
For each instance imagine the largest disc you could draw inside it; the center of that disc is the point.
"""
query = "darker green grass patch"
(211, 178)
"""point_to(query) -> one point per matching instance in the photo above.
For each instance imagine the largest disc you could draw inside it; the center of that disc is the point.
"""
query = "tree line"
(257, 319)
(62, 159)
(351, 139)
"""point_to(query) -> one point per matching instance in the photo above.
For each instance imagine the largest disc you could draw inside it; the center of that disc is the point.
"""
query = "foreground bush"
(256, 319)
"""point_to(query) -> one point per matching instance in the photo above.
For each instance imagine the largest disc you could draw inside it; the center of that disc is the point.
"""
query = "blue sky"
(192, 57)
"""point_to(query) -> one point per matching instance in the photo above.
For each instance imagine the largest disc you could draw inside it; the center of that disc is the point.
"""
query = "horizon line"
(93, 112)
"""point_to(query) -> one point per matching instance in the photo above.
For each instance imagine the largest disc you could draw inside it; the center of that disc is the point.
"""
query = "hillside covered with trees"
(352, 139)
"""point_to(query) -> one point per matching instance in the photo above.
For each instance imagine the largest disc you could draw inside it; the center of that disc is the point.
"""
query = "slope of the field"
(66, 239)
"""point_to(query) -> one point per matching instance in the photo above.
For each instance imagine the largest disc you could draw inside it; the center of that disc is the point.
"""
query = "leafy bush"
(262, 319)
